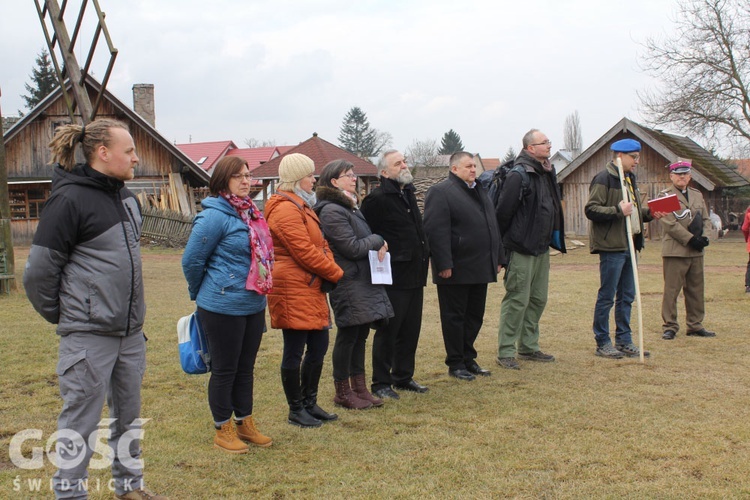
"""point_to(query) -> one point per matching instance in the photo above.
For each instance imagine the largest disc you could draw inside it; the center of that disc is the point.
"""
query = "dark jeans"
(461, 317)
(233, 342)
(349, 351)
(394, 345)
(295, 342)
(617, 287)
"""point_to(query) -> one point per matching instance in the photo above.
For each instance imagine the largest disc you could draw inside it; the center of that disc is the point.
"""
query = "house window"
(202, 160)
(37, 197)
(27, 203)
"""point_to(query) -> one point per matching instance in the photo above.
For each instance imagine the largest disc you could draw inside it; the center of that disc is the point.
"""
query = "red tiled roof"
(490, 163)
(320, 152)
(284, 149)
(214, 151)
(255, 156)
(743, 167)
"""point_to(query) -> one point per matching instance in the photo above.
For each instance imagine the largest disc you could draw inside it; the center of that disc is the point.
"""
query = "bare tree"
(383, 141)
(255, 143)
(572, 138)
(704, 67)
(422, 153)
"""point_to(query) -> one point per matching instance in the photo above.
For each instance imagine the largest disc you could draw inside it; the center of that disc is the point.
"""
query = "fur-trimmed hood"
(332, 195)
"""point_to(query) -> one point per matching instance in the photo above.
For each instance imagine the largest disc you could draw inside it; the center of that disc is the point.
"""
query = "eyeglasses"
(239, 177)
(545, 143)
(634, 156)
(351, 176)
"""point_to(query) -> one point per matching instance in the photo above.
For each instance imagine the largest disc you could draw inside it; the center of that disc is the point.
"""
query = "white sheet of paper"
(380, 271)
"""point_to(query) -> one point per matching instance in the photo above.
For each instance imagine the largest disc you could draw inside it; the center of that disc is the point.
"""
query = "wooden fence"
(166, 227)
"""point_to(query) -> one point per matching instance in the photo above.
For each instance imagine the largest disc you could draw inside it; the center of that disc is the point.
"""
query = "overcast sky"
(282, 69)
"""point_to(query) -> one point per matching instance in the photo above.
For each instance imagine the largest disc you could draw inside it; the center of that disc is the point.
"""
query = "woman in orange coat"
(297, 304)
(746, 232)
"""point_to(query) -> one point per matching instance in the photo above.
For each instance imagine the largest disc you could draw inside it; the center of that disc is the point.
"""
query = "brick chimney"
(143, 102)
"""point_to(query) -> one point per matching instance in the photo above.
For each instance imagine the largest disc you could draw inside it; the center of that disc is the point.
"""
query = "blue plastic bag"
(191, 340)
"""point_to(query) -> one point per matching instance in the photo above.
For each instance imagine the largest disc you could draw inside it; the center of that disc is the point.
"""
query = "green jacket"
(607, 230)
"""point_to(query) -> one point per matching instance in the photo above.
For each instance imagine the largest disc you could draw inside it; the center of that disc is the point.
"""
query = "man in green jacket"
(607, 210)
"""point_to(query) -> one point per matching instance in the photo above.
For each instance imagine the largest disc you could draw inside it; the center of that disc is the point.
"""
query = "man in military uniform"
(682, 255)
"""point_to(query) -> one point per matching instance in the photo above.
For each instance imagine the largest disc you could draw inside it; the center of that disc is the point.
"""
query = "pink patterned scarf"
(261, 245)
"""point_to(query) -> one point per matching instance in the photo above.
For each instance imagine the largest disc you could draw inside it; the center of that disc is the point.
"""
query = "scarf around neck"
(309, 198)
(261, 245)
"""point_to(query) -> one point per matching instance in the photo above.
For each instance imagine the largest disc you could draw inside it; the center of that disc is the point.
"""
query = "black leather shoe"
(701, 333)
(386, 392)
(461, 374)
(669, 335)
(412, 386)
(477, 370)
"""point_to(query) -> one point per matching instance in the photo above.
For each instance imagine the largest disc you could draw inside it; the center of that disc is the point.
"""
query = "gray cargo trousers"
(89, 368)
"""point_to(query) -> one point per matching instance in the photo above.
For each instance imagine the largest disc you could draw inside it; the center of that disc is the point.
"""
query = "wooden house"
(161, 164)
(710, 175)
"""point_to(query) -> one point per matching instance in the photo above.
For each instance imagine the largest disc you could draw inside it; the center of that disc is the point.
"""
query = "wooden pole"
(6, 238)
(633, 257)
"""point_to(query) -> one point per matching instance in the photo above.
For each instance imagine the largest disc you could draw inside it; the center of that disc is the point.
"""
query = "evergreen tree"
(509, 155)
(451, 143)
(356, 135)
(43, 79)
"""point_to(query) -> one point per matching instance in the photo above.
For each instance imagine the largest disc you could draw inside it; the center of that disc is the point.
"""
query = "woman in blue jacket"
(227, 263)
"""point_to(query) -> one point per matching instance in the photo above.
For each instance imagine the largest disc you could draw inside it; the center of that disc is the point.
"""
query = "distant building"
(321, 152)
(561, 159)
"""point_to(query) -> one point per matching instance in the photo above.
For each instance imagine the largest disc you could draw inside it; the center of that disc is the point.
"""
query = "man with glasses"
(682, 254)
(391, 210)
(530, 221)
(608, 237)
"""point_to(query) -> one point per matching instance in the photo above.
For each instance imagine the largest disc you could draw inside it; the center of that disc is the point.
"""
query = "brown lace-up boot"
(247, 431)
(346, 398)
(226, 439)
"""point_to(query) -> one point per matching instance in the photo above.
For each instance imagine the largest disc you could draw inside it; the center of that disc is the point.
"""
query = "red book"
(668, 203)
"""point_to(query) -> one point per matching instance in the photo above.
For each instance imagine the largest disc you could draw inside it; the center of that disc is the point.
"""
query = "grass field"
(582, 427)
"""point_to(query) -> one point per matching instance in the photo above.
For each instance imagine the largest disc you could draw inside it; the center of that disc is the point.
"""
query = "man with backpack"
(530, 218)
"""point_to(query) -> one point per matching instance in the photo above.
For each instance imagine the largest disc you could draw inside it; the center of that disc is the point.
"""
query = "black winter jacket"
(355, 300)
(393, 213)
(84, 266)
(462, 231)
(529, 224)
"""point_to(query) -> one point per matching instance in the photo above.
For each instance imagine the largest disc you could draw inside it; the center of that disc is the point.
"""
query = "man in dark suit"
(391, 211)
(462, 231)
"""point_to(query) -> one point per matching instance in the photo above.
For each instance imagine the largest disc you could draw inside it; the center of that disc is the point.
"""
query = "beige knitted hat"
(294, 167)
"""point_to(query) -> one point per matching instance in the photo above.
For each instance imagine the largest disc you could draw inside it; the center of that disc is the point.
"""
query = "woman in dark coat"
(356, 302)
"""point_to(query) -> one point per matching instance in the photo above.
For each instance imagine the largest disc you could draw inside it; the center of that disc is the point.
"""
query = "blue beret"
(626, 146)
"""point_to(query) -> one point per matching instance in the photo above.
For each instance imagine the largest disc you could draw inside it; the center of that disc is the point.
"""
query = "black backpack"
(494, 183)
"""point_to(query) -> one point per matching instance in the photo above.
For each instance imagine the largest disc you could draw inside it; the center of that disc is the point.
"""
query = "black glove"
(698, 242)
(327, 286)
